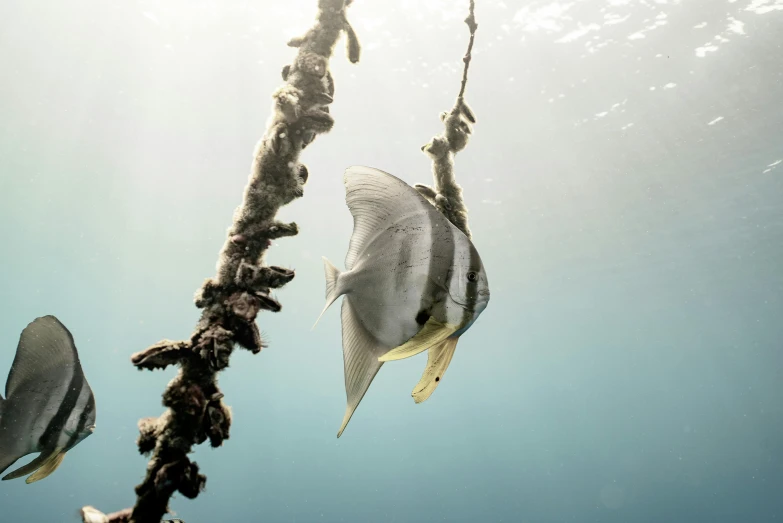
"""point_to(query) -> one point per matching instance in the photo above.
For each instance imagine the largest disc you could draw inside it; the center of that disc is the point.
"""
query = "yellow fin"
(437, 362)
(431, 334)
(48, 466)
(32, 466)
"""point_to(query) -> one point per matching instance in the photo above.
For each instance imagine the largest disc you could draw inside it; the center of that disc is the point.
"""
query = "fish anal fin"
(432, 333)
(349, 410)
(48, 467)
(438, 361)
(360, 358)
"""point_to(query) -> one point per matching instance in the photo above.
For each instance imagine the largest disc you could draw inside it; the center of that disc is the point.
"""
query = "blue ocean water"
(625, 187)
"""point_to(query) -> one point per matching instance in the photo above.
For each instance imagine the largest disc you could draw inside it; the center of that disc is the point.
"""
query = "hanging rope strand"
(446, 194)
(243, 284)
(472, 25)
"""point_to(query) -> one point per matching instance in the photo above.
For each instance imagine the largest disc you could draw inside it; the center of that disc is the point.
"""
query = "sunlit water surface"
(625, 182)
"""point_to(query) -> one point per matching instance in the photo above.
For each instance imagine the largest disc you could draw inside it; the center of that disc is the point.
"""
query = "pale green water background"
(626, 194)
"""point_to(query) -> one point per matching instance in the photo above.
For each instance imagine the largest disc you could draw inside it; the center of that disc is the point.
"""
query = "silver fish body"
(413, 282)
(49, 406)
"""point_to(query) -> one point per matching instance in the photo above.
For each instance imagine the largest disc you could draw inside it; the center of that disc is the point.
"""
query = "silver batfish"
(413, 282)
(48, 406)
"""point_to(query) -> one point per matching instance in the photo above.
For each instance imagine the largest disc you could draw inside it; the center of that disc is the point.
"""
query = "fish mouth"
(90, 429)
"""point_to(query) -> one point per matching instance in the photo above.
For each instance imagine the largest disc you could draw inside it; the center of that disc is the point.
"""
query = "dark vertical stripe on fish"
(471, 293)
(441, 252)
(404, 258)
(85, 414)
(73, 439)
(48, 439)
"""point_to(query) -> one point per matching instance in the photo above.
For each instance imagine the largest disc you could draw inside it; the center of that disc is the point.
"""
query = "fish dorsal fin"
(45, 344)
(360, 357)
(376, 200)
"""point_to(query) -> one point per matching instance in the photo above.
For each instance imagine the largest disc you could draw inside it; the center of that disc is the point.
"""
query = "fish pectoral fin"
(49, 466)
(430, 335)
(31, 467)
(437, 362)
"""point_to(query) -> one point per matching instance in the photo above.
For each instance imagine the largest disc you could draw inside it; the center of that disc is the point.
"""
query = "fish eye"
(472, 276)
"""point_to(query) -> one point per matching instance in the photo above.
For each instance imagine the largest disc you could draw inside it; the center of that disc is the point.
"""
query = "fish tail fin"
(332, 274)
(332, 291)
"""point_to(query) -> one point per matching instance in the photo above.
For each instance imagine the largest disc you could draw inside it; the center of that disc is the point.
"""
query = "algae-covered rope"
(243, 284)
